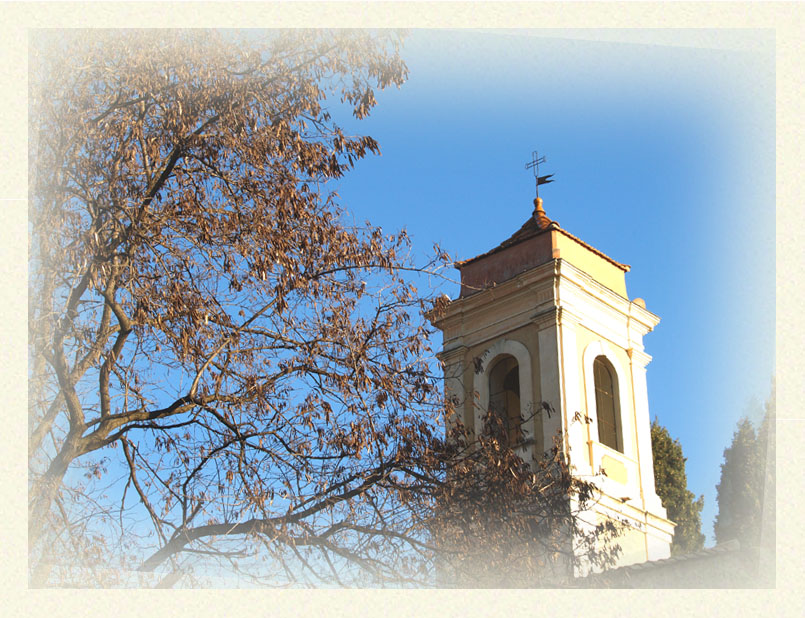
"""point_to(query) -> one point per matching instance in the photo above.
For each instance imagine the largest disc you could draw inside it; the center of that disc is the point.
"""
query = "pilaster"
(550, 380)
(555, 316)
(577, 451)
(454, 389)
(638, 362)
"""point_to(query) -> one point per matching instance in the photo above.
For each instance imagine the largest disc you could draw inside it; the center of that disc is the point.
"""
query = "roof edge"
(624, 267)
(553, 225)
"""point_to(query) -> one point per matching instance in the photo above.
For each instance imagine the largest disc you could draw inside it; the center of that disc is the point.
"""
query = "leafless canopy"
(221, 369)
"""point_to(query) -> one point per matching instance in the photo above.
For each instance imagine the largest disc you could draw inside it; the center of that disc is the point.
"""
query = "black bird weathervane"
(534, 165)
(539, 213)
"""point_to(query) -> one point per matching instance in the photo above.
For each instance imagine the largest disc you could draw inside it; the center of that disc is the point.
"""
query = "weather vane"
(534, 164)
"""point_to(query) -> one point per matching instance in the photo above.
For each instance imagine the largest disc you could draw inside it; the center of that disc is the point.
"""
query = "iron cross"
(534, 164)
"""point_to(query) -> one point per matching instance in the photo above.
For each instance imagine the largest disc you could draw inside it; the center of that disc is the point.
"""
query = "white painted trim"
(481, 382)
(591, 352)
(550, 383)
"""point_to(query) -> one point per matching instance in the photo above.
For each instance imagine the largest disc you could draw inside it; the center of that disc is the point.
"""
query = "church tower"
(545, 317)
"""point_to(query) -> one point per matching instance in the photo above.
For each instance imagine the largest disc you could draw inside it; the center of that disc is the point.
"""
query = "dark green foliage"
(738, 496)
(672, 488)
(745, 476)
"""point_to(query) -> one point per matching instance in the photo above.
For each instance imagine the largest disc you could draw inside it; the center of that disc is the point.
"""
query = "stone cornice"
(606, 313)
(546, 318)
(491, 331)
(643, 315)
(555, 316)
(613, 506)
(622, 305)
(638, 357)
(568, 318)
(540, 283)
(450, 355)
(523, 284)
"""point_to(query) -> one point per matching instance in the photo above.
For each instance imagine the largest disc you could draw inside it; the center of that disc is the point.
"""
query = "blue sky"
(664, 158)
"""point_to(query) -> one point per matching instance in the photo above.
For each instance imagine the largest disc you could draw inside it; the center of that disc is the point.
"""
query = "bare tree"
(199, 312)
(500, 521)
(221, 369)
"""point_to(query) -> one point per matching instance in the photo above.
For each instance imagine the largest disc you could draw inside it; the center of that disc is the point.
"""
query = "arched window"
(504, 395)
(606, 404)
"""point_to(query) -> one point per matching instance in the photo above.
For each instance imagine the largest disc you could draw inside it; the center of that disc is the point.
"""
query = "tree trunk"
(45, 489)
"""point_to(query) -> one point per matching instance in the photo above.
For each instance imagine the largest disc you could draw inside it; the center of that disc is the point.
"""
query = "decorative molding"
(449, 356)
(555, 315)
(569, 318)
(481, 381)
(639, 358)
(600, 318)
(524, 283)
(570, 274)
(546, 318)
(561, 302)
(591, 352)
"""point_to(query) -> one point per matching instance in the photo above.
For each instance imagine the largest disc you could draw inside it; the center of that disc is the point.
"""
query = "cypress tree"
(744, 479)
(672, 487)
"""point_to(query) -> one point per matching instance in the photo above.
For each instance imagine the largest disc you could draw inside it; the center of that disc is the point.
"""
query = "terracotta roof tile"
(529, 229)
(532, 228)
(709, 552)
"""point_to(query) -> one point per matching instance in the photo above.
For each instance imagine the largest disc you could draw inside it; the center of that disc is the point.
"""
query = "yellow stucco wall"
(600, 269)
(518, 309)
(632, 543)
(527, 336)
(585, 337)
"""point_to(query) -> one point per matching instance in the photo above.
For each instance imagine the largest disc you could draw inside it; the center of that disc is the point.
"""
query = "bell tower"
(545, 317)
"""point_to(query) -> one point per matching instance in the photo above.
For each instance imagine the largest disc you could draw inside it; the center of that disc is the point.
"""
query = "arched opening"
(504, 396)
(606, 404)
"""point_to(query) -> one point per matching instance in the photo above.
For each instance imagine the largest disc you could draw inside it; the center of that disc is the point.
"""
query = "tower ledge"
(539, 240)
